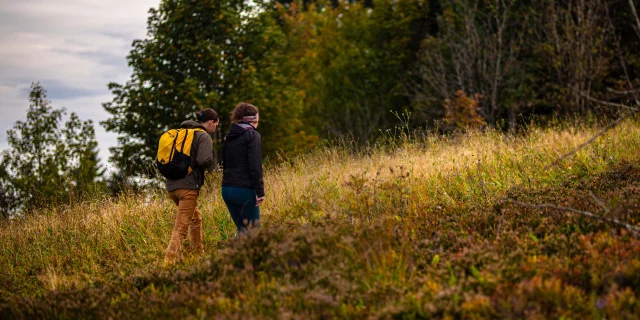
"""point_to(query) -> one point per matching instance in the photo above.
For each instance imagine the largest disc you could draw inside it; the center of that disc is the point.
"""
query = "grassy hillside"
(420, 227)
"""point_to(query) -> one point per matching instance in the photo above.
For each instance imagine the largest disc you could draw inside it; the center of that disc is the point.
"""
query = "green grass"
(408, 229)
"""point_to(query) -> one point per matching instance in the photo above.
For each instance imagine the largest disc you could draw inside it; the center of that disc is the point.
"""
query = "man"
(184, 192)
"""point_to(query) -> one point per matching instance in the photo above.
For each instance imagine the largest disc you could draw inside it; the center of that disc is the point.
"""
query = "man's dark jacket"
(242, 158)
(201, 158)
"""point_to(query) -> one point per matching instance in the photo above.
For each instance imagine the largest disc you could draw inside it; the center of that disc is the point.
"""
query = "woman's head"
(209, 119)
(245, 112)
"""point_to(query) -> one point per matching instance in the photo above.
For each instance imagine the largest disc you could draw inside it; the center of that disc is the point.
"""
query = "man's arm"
(204, 156)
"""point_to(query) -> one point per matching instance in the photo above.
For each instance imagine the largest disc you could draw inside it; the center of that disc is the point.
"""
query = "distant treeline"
(319, 69)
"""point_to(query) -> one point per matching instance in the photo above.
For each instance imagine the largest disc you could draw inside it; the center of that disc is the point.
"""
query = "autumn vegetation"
(421, 226)
(423, 159)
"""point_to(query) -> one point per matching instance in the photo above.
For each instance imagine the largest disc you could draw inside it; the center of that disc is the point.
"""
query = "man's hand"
(259, 201)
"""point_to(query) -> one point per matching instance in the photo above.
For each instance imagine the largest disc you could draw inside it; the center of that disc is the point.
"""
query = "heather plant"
(434, 227)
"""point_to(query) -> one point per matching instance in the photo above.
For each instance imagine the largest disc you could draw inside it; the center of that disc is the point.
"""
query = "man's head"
(209, 119)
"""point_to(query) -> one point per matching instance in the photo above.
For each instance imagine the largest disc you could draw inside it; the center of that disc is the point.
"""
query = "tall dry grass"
(96, 241)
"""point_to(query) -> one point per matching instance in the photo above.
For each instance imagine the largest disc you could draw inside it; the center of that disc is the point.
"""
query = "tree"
(47, 163)
(194, 57)
(269, 80)
(477, 51)
(575, 49)
(350, 60)
(8, 199)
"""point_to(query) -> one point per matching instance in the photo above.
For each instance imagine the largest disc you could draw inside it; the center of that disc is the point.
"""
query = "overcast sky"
(74, 48)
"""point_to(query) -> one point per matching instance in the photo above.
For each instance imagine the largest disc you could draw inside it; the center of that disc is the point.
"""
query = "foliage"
(351, 61)
(477, 50)
(293, 64)
(421, 230)
(321, 69)
(190, 60)
(267, 67)
(525, 264)
(525, 58)
(462, 112)
(8, 199)
(48, 162)
(575, 46)
(201, 54)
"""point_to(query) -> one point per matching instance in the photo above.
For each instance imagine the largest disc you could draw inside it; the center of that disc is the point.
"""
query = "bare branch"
(623, 92)
(635, 14)
(599, 202)
(601, 132)
(612, 104)
(633, 229)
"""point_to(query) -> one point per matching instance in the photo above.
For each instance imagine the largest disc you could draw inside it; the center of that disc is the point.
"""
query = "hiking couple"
(242, 184)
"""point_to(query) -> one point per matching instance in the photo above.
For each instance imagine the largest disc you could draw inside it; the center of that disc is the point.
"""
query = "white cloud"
(75, 48)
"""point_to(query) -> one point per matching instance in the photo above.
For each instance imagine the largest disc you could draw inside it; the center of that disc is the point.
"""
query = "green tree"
(8, 199)
(352, 60)
(192, 58)
(47, 162)
(309, 68)
(269, 80)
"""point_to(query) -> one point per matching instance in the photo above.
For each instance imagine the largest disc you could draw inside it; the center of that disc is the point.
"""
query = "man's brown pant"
(188, 220)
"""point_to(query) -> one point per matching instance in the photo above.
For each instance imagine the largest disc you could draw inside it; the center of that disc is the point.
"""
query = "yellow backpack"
(174, 153)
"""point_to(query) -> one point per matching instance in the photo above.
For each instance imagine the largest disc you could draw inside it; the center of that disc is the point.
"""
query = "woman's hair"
(242, 110)
(206, 115)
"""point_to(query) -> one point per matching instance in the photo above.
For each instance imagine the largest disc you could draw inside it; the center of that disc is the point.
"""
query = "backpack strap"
(173, 147)
(184, 140)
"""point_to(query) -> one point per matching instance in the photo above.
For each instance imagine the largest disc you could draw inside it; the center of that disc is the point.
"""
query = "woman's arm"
(255, 162)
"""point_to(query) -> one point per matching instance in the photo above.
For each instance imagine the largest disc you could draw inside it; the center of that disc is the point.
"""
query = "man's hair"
(242, 110)
(206, 115)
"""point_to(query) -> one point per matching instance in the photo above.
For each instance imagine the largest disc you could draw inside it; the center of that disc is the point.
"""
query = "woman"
(242, 185)
(184, 192)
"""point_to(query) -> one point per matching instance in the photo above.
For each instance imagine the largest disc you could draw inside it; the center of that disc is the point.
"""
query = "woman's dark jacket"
(242, 158)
